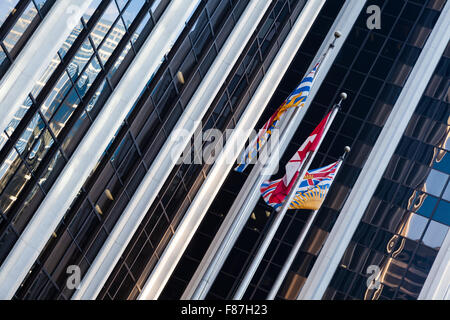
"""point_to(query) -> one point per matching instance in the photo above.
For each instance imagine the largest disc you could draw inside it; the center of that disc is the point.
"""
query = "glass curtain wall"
(18, 21)
(372, 67)
(63, 105)
(408, 217)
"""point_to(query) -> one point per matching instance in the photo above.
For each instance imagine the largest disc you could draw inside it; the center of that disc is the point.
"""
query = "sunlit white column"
(171, 150)
(91, 148)
(222, 165)
(437, 284)
(37, 54)
(247, 198)
(353, 209)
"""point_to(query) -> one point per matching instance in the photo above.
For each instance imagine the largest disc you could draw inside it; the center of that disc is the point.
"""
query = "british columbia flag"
(296, 99)
(310, 192)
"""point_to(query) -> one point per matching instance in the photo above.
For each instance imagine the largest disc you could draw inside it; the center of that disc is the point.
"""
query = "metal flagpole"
(227, 243)
(292, 115)
(291, 112)
(273, 228)
(276, 286)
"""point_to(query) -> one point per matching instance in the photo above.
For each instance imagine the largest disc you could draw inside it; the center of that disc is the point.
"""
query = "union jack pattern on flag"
(294, 165)
(310, 192)
(296, 99)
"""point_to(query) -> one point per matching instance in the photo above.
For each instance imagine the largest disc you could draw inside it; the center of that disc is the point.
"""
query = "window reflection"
(397, 221)
(442, 213)
(414, 226)
(435, 182)
(20, 26)
(423, 259)
(23, 19)
(65, 96)
(446, 194)
(435, 234)
(123, 168)
(423, 203)
(6, 7)
(68, 80)
(412, 284)
(442, 162)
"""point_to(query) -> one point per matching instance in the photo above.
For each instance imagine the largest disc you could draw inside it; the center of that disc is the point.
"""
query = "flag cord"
(337, 34)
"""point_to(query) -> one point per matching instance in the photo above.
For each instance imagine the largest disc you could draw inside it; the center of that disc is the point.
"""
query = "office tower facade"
(18, 20)
(105, 194)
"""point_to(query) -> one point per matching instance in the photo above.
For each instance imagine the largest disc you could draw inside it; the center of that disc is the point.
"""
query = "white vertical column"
(437, 284)
(353, 209)
(170, 152)
(37, 54)
(248, 196)
(222, 165)
(91, 148)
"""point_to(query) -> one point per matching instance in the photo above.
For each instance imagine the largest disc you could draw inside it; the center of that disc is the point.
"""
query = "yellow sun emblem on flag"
(310, 200)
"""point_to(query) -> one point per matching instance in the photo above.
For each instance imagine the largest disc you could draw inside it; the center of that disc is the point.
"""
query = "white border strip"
(162, 165)
(91, 148)
(37, 54)
(437, 284)
(249, 194)
(353, 210)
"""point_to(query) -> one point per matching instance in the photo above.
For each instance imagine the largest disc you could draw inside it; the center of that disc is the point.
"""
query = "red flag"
(294, 165)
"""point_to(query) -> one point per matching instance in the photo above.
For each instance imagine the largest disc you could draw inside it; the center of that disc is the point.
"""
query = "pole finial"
(346, 151)
(343, 96)
(337, 34)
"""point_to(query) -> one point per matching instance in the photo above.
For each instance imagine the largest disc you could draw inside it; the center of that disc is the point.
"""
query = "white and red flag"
(294, 165)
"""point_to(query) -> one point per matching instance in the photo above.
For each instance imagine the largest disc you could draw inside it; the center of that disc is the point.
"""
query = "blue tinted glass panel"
(424, 204)
(442, 213)
(442, 163)
(446, 194)
(414, 227)
(435, 234)
(435, 182)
